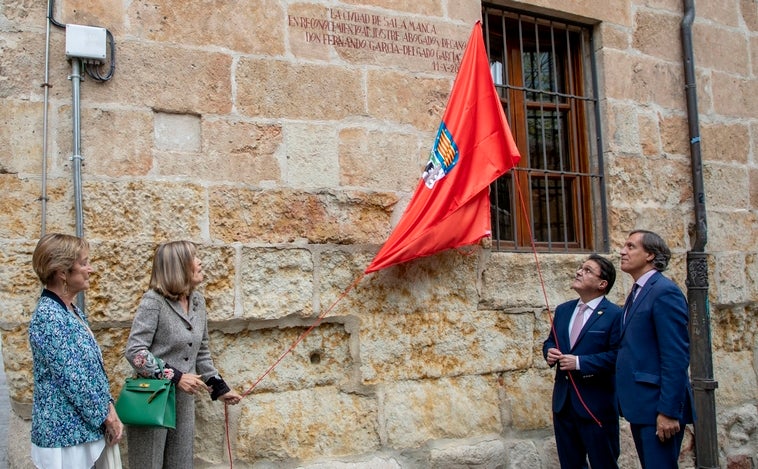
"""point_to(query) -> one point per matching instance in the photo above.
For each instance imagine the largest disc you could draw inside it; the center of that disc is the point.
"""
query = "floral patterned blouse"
(71, 391)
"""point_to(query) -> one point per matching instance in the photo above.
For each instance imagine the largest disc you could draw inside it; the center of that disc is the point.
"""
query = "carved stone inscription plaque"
(378, 36)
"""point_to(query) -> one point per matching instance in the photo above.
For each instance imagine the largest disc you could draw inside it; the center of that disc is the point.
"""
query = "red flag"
(473, 147)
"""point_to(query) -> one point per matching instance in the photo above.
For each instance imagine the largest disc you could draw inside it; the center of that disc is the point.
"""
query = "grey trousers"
(161, 448)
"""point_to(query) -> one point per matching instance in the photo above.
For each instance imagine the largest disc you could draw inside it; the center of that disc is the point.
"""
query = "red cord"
(302, 336)
(321, 317)
(547, 305)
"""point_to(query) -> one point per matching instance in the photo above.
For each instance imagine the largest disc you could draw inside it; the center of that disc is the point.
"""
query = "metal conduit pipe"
(76, 158)
(701, 360)
(45, 101)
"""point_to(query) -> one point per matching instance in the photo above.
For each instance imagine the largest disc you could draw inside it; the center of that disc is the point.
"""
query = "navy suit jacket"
(653, 359)
(596, 347)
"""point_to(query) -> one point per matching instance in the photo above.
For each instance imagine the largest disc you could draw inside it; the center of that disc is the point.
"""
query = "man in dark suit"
(585, 411)
(653, 385)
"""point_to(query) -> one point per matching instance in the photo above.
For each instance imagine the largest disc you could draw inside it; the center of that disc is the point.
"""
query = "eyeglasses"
(586, 270)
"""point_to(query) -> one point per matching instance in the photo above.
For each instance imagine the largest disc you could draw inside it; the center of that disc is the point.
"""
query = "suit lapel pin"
(599, 313)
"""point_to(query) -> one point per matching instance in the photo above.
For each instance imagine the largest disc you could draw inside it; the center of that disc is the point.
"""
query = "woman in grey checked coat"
(169, 340)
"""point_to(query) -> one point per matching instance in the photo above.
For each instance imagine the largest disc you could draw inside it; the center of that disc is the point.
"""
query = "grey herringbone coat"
(181, 341)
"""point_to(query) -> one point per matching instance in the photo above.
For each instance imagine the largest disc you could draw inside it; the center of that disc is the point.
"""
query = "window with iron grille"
(544, 71)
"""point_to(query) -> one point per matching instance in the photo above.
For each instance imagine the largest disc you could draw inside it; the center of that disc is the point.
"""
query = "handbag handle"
(154, 394)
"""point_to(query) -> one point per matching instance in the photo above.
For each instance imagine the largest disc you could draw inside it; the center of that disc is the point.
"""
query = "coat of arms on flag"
(443, 157)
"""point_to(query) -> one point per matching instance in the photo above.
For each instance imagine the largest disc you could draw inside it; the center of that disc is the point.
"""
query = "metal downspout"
(45, 102)
(701, 360)
(76, 158)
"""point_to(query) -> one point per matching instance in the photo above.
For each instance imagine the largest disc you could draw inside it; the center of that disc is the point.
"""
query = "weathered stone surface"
(312, 159)
(444, 344)
(512, 281)
(17, 360)
(739, 426)
(675, 135)
(485, 453)
(617, 13)
(139, 210)
(727, 13)
(742, 384)
(279, 216)
(324, 356)
(733, 96)
(712, 36)
(121, 275)
(414, 100)
(373, 159)
(233, 151)
(405, 288)
(730, 287)
(108, 147)
(644, 80)
(220, 26)
(729, 143)
(751, 275)
(323, 422)
(528, 398)
(19, 54)
(266, 88)
(466, 10)
(22, 202)
(727, 187)
(734, 328)
(276, 283)
(288, 151)
(521, 453)
(176, 132)
(21, 286)
(422, 7)
(614, 37)
(753, 188)
(650, 134)
(726, 230)
(21, 150)
(418, 411)
(24, 14)
(100, 13)
(652, 30)
(167, 77)
(749, 14)
(376, 462)
(623, 127)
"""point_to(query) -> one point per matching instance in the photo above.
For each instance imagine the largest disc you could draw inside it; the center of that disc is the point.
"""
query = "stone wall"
(288, 151)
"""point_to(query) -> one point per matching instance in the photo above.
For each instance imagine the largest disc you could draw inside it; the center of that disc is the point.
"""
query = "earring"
(65, 287)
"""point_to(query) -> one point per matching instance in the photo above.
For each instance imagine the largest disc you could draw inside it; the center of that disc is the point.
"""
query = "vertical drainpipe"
(701, 360)
(76, 158)
(45, 105)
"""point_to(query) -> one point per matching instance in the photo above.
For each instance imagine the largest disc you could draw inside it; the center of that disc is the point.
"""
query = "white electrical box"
(85, 42)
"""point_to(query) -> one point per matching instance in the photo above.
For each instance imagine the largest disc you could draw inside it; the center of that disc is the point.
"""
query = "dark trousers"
(653, 453)
(579, 439)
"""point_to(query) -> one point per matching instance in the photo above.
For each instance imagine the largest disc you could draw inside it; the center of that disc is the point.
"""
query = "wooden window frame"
(580, 223)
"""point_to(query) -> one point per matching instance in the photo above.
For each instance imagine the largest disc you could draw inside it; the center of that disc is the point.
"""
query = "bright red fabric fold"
(474, 146)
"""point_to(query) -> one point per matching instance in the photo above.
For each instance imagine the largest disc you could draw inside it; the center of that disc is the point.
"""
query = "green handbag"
(147, 402)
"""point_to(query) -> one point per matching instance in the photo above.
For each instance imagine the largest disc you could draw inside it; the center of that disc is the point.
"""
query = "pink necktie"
(576, 328)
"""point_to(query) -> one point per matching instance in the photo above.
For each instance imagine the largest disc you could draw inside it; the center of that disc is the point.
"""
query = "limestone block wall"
(285, 138)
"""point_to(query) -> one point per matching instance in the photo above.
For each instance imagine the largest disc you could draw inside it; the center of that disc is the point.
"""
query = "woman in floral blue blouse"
(73, 413)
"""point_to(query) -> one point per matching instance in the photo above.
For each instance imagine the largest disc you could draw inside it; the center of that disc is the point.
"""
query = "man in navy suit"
(583, 342)
(653, 385)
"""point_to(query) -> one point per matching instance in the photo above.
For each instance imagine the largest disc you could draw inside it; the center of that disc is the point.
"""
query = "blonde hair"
(56, 252)
(173, 266)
